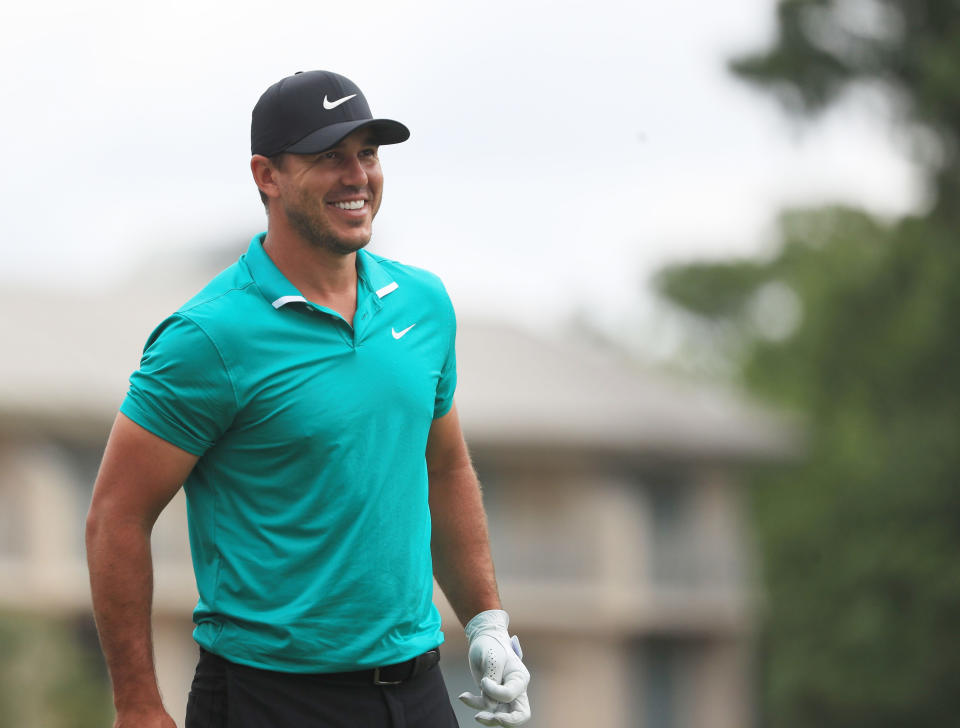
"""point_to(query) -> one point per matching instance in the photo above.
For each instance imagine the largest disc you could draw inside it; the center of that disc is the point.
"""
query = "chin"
(346, 246)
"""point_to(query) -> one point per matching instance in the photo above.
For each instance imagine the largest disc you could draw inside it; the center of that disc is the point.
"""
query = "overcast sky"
(560, 151)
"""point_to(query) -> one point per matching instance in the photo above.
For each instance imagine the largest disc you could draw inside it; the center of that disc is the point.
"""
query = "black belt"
(396, 674)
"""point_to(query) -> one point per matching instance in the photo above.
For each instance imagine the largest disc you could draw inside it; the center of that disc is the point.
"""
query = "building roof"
(67, 357)
(518, 390)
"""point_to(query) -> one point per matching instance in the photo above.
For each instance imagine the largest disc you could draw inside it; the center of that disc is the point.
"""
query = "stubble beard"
(310, 226)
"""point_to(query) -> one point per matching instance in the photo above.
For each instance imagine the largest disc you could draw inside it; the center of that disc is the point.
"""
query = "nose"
(354, 175)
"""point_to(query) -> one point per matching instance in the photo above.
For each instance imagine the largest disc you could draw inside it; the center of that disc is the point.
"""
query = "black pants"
(227, 695)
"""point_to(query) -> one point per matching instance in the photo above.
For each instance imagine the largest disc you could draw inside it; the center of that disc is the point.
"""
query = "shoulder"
(216, 314)
(229, 304)
(226, 290)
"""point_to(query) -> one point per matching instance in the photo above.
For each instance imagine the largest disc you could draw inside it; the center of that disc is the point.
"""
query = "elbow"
(102, 520)
(94, 527)
(109, 533)
(109, 519)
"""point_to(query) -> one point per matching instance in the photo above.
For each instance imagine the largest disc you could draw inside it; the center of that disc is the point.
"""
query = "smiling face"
(330, 198)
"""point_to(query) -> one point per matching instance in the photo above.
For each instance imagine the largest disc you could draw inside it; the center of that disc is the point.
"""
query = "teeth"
(352, 205)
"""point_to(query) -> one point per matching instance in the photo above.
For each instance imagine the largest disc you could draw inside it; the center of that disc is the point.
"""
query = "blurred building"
(615, 515)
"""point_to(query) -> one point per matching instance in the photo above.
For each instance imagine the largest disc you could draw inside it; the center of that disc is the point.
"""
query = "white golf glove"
(494, 659)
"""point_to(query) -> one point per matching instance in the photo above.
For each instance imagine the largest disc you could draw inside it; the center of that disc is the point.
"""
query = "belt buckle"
(378, 681)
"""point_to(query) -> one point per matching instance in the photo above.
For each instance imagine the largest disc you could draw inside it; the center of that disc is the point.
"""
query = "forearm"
(461, 546)
(121, 581)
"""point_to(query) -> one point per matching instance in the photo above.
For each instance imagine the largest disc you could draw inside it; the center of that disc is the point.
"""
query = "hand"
(495, 662)
(144, 718)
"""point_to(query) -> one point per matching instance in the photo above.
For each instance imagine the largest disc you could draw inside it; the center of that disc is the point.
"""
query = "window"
(665, 670)
(538, 527)
(13, 535)
(675, 543)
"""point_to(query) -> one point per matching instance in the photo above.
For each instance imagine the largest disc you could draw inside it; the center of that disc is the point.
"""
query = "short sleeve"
(448, 373)
(182, 391)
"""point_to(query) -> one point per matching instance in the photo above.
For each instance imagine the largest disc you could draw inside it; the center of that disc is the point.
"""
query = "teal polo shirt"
(308, 514)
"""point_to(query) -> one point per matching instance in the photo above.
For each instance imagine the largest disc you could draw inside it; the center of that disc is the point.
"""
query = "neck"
(319, 274)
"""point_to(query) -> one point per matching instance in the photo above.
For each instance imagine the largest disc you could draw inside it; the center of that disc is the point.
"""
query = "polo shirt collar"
(272, 283)
(279, 291)
(373, 275)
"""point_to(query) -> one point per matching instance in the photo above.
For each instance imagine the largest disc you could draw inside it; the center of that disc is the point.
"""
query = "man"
(304, 400)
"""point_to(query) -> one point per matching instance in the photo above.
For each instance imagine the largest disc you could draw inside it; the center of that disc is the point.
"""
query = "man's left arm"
(464, 569)
(460, 544)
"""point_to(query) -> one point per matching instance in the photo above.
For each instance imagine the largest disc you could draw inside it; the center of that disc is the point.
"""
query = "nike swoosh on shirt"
(334, 104)
(399, 334)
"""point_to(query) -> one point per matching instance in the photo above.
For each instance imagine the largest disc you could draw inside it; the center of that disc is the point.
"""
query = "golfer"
(304, 401)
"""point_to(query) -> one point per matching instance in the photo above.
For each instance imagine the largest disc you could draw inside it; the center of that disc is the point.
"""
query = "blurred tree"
(907, 49)
(854, 324)
(48, 678)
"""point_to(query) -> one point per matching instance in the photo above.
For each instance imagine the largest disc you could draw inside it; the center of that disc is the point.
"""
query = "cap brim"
(385, 131)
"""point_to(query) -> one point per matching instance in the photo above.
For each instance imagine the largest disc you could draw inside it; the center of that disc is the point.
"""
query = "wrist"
(146, 700)
(490, 620)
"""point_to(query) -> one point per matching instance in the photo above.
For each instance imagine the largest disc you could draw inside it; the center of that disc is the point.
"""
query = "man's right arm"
(139, 475)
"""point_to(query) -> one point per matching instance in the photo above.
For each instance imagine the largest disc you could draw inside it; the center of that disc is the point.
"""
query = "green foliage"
(908, 48)
(48, 677)
(711, 290)
(860, 540)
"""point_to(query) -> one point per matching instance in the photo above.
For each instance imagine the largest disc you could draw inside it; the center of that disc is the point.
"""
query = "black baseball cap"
(312, 111)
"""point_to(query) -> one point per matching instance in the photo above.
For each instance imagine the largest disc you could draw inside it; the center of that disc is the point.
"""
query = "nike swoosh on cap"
(334, 104)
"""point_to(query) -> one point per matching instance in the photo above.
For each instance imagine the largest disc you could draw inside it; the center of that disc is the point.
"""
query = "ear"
(265, 175)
